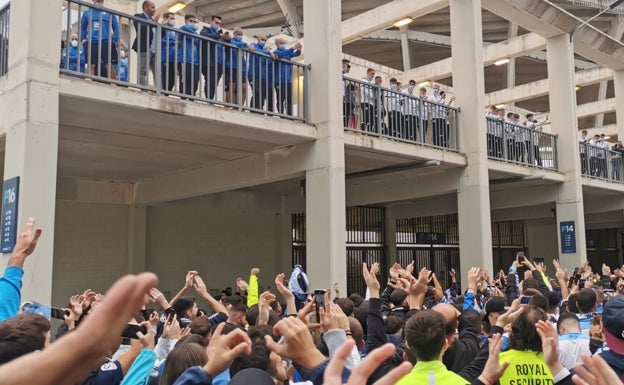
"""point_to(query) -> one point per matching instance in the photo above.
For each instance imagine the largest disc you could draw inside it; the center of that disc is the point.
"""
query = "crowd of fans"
(518, 327)
(185, 55)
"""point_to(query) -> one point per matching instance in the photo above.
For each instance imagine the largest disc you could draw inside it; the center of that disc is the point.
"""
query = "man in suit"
(144, 43)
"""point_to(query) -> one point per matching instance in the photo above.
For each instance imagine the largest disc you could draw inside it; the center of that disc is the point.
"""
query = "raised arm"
(200, 288)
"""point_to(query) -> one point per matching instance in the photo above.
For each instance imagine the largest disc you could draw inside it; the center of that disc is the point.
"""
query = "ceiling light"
(176, 7)
(577, 88)
(402, 22)
(501, 61)
(502, 105)
(425, 84)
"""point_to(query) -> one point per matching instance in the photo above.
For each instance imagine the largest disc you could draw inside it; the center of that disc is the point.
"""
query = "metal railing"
(519, 144)
(181, 62)
(373, 110)
(602, 163)
(5, 17)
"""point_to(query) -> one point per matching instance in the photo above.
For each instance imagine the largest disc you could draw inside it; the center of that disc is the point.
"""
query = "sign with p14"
(568, 237)
(10, 203)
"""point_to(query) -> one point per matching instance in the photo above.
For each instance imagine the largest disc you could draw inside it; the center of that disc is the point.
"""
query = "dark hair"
(252, 314)
(188, 16)
(182, 357)
(394, 324)
(523, 334)
(259, 358)
(572, 303)
(202, 326)
(145, 4)
(257, 332)
(565, 317)
(529, 283)
(220, 18)
(345, 61)
(22, 334)
(167, 15)
(361, 313)
(398, 296)
(474, 318)
(357, 299)
(346, 305)
(182, 305)
(425, 334)
(585, 300)
(356, 331)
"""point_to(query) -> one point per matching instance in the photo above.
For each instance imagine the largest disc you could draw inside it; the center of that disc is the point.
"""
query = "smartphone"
(607, 294)
(319, 299)
(581, 283)
(525, 299)
(131, 331)
(520, 258)
(58, 313)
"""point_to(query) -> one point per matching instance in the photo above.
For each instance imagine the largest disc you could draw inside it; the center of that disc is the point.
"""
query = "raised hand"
(371, 280)
(298, 344)
(493, 369)
(25, 243)
(188, 281)
(75, 301)
(223, 349)
(200, 286)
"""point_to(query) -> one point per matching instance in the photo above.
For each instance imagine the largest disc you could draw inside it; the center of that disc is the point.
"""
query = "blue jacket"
(210, 47)
(10, 295)
(122, 70)
(231, 59)
(189, 46)
(283, 70)
(168, 50)
(91, 30)
(260, 66)
(139, 372)
(76, 59)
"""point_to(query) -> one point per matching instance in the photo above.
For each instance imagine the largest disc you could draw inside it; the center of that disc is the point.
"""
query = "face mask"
(194, 25)
(122, 53)
(393, 87)
(261, 44)
(237, 38)
(215, 27)
(171, 23)
(282, 46)
(74, 43)
(435, 92)
(410, 88)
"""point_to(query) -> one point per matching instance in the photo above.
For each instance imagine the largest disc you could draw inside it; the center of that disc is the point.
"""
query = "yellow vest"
(525, 368)
(431, 372)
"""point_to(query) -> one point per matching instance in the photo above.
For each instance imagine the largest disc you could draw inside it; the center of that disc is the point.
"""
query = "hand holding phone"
(319, 300)
(131, 331)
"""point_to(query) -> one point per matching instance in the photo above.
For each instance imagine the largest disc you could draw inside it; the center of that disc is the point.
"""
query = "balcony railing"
(601, 163)
(377, 111)
(5, 16)
(180, 62)
(516, 143)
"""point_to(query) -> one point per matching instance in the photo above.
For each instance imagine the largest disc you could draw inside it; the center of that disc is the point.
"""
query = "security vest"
(525, 368)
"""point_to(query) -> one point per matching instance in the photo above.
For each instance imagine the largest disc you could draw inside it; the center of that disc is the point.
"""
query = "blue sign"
(568, 237)
(10, 202)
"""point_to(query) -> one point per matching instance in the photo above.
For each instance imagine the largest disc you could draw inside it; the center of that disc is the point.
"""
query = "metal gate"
(366, 242)
(507, 240)
(602, 248)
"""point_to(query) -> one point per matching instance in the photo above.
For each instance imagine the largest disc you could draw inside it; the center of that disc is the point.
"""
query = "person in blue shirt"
(168, 52)
(188, 56)
(122, 66)
(232, 69)
(99, 30)
(283, 74)
(211, 56)
(261, 75)
(11, 281)
(73, 57)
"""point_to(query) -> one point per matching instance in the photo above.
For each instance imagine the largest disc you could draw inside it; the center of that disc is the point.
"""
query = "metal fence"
(373, 110)
(520, 144)
(5, 16)
(602, 163)
(181, 62)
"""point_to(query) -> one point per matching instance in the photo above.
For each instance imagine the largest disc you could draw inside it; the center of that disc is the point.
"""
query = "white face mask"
(171, 23)
(122, 53)
(74, 43)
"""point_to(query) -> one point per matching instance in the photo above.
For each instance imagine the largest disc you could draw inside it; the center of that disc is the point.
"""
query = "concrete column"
(325, 184)
(30, 100)
(511, 66)
(602, 95)
(563, 119)
(618, 83)
(137, 238)
(473, 195)
(405, 48)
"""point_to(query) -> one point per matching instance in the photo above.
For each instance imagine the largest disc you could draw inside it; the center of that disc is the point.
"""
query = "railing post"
(379, 110)
(306, 98)
(239, 78)
(157, 59)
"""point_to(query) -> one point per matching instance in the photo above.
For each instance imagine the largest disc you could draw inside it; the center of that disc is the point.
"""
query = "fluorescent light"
(577, 88)
(176, 7)
(502, 105)
(424, 84)
(402, 22)
(501, 61)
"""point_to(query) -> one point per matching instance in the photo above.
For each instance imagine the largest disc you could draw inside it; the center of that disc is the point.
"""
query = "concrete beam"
(277, 165)
(292, 17)
(610, 130)
(383, 16)
(94, 191)
(518, 46)
(540, 87)
(523, 196)
(594, 108)
(593, 205)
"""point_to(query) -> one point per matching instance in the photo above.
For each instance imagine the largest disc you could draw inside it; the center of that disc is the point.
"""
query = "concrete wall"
(90, 248)
(220, 243)
(541, 239)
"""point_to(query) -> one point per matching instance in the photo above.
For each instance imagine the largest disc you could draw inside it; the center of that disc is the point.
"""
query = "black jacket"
(144, 34)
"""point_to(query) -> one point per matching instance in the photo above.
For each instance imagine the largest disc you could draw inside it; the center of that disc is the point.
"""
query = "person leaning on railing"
(532, 140)
(617, 162)
(168, 52)
(188, 56)
(283, 74)
(96, 26)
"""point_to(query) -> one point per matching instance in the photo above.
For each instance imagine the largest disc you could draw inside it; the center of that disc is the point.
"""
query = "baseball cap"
(252, 376)
(495, 305)
(613, 324)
